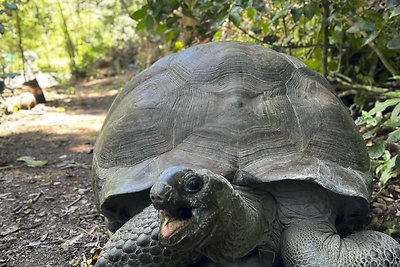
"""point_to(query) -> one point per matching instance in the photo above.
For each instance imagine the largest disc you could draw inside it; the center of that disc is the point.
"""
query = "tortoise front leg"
(136, 244)
(316, 244)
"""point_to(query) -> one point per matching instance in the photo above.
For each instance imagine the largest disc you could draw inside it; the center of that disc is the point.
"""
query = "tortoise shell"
(240, 110)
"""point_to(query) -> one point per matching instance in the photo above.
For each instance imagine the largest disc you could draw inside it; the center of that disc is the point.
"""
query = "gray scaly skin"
(136, 244)
(201, 213)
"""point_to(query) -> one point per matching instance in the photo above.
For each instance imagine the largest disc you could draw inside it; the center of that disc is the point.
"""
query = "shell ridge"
(298, 123)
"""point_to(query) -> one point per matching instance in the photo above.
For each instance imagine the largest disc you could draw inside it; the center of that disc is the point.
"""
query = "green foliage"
(68, 36)
(294, 27)
(385, 115)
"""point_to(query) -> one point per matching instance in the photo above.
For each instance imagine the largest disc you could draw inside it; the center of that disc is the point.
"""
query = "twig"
(11, 167)
(250, 35)
(73, 202)
(346, 85)
(37, 196)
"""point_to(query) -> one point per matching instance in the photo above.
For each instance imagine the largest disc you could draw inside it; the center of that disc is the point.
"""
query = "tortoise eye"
(193, 184)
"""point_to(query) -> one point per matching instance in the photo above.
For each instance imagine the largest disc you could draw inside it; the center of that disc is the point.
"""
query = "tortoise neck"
(248, 222)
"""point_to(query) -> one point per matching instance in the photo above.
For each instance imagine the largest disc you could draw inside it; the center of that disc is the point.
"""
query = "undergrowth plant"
(380, 127)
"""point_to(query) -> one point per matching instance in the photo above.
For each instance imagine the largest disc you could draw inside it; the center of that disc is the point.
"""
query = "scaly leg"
(316, 244)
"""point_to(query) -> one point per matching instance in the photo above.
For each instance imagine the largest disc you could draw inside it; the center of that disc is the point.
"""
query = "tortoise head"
(189, 202)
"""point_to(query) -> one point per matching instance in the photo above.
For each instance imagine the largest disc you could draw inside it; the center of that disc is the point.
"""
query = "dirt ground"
(47, 213)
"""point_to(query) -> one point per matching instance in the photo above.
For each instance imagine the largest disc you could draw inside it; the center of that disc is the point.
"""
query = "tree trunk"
(21, 48)
(69, 44)
(325, 42)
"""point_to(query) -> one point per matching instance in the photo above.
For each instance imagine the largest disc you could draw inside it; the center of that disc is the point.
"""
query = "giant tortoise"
(232, 154)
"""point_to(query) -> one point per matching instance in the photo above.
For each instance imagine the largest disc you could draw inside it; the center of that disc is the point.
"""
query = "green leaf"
(169, 35)
(395, 113)
(388, 171)
(149, 23)
(220, 19)
(206, 6)
(309, 10)
(383, 105)
(392, 3)
(161, 28)
(178, 46)
(369, 134)
(270, 39)
(234, 15)
(141, 25)
(139, 14)
(391, 124)
(217, 35)
(386, 157)
(394, 94)
(31, 162)
(174, 4)
(371, 37)
(397, 77)
(376, 150)
(279, 14)
(186, 11)
(394, 136)
(367, 118)
(395, 12)
(1, 28)
(397, 164)
(385, 176)
(250, 13)
(296, 13)
(394, 43)
(362, 26)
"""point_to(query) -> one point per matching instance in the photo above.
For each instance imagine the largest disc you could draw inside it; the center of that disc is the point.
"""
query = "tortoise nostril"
(160, 195)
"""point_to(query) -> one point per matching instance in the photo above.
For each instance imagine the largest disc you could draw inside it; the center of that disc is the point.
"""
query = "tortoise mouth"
(175, 224)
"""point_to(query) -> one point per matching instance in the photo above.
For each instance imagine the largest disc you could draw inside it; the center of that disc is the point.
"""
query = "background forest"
(355, 44)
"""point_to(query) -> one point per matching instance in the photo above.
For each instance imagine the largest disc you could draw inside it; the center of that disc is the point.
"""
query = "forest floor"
(47, 214)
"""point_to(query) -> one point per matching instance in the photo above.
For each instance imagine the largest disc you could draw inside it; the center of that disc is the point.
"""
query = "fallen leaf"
(94, 258)
(72, 241)
(37, 243)
(74, 262)
(31, 162)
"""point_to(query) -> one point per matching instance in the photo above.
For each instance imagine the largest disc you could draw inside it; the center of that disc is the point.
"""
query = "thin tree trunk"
(21, 48)
(69, 44)
(325, 42)
(44, 36)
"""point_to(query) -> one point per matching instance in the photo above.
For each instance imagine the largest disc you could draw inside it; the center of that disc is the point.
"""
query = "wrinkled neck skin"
(248, 218)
